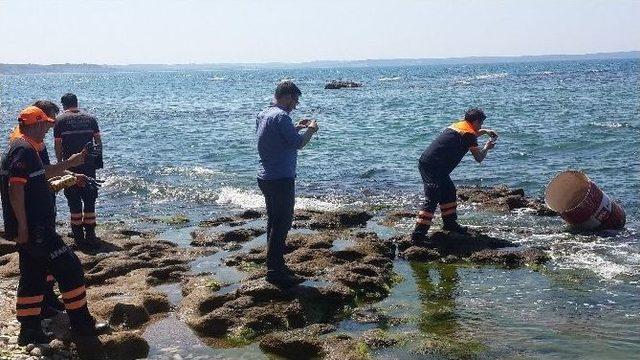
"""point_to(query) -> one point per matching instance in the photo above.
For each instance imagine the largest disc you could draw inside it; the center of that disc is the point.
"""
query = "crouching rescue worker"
(29, 218)
(74, 130)
(439, 160)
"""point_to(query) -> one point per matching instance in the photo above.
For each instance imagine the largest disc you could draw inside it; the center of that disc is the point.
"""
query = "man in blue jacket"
(278, 143)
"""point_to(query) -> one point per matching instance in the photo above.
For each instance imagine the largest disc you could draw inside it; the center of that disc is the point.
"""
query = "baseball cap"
(32, 115)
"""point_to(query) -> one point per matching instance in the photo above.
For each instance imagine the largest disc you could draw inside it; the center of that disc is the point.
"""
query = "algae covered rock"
(129, 315)
(7, 247)
(204, 238)
(418, 253)
(295, 344)
(155, 302)
(450, 243)
(510, 259)
(378, 338)
(125, 346)
(339, 219)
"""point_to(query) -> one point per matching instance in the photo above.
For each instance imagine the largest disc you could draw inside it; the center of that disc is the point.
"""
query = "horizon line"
(474, 57)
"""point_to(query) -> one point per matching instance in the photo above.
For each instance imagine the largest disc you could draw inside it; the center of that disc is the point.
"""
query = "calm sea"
(183, 142)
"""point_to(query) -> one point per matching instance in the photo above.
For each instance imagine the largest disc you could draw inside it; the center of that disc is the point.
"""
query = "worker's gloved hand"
(92, 149)
(77, 159)
(93, 184)
(94, 154)
(62, 182)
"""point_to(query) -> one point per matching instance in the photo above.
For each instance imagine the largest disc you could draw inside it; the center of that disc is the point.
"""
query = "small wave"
(157, 192)
(253, 200)
(217, 78)
(371, 173)
(189, 170)
(606, 258)
(542, 73)
(389, 78)
(611, 124)
(490, 76)
(606, 269)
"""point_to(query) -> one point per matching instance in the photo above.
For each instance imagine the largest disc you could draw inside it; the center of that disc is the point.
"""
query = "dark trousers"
(438, 190)
(279, 196)
(47, 253)
(82, 205)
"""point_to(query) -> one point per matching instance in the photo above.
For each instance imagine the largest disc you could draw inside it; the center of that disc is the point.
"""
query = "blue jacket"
(278, 143)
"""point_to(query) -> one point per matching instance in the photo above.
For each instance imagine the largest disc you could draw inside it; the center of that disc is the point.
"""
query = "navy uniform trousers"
(438, 190)
(46, 253)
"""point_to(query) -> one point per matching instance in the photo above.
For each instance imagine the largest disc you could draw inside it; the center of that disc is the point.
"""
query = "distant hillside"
(92, 68)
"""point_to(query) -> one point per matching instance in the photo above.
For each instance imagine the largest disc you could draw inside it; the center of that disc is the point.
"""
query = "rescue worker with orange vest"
(439, 160)
(51, 304)
(29, 218)
(74, 130)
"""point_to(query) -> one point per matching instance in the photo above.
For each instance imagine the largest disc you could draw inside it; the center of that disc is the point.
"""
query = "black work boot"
(451, 225)
(419, 234)
(89, 347)
(90, 234)
(283, 279)
(49, 311)
(99, 328)
(78, 234)
(33, 335)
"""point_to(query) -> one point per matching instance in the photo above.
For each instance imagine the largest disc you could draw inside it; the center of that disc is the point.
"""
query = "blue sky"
(200, 31)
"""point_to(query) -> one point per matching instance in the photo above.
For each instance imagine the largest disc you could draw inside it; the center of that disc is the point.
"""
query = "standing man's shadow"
(437, 289)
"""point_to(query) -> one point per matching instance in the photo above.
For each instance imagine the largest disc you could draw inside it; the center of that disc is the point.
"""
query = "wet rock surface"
(499, 198)
(503, 198)
(206, 238)
(120, 276)
(331, 220)
(474, 246)
(302, 343)
(339, 84)
(346, 269)
(236, 220)
(337, 278)
(7, 247)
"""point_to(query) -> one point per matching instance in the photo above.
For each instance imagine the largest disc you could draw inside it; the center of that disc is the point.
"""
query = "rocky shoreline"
(347, 268)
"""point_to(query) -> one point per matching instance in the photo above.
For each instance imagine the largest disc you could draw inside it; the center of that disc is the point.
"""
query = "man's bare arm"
(16, 196)
(489, 132)
(60, 168)
(57, 145)
(481, 154)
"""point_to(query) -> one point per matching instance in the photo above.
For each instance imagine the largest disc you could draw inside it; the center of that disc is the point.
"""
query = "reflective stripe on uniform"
(76, 132)
(24, 300)
(76, 304)
(449, 212)
(73, 293)
(29, 311)
(37, 173)
(448, 205)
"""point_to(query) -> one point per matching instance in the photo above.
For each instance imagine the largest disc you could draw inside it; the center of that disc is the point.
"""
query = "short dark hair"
(475, 114)
(49, 108)
(69, 100)
(287, 88)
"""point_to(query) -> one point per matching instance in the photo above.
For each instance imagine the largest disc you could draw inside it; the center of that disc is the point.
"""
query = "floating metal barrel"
(581, 203)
